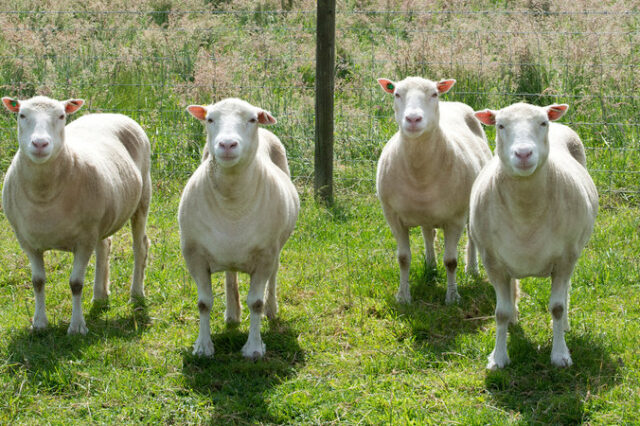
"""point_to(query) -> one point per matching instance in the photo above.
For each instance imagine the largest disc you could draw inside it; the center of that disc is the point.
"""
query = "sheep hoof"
(39, 325)
(452, 297)
(497, 361)
(232, 316)
(561, 360)
(403, 297)
(254, 351)
(203, 347)
(79, 328)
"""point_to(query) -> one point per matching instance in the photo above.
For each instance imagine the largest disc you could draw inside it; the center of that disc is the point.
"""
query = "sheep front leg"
(558, 306)
(101, 283)
(428, 235)
(401, 233)
(38, 276)
(80, 261)
(452, 235)
(199, 270)
(255, 348)
(506, 312)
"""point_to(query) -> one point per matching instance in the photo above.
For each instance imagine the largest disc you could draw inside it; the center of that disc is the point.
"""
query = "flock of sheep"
(530, 209)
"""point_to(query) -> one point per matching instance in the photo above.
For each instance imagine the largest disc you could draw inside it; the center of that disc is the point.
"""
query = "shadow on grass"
(434, 324)
(544, 394)
(41, 353)
(238, 387)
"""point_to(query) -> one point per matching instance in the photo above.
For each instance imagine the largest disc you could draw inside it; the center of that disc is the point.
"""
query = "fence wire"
(151, 64)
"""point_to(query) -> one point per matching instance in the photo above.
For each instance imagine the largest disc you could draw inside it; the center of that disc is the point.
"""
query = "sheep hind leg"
(452, 235)
(428, 235)
(233, 309)
(271, 307)
(140, 251)
(101, 284)
(471, 258)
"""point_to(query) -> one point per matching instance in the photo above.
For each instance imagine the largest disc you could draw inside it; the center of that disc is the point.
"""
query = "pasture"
(342, 350)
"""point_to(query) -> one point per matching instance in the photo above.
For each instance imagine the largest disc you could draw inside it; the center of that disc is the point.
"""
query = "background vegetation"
(342, 351)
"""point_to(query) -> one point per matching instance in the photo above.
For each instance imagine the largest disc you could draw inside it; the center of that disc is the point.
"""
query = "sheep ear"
(72, 105)
(265, 117)
(556, 111)
(11, 104)
(486, 116)
(387, 85)
(445, 85)
(198, 111)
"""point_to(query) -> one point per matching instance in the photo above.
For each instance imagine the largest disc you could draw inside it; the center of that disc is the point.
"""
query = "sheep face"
(41, 123)
(522, 135)
(232, 129)
(416, 103)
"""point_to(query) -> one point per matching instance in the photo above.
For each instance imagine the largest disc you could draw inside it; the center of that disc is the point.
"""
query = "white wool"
(71, 187)
(426, 171)
(532, 211)
(236, 213)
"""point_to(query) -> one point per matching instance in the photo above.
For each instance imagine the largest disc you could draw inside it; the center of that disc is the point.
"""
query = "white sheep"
(71, 187)
(533, 208)
(426, 171)
(236, 213)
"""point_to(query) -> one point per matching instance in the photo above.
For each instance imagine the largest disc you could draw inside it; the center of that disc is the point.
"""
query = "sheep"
(70, 188)
(533, 208)
(236, 213)
(425, 173)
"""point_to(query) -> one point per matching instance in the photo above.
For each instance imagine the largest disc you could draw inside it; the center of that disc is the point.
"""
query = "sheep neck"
(527, 197)
(233, 186)
(43, 182)
(421, 153)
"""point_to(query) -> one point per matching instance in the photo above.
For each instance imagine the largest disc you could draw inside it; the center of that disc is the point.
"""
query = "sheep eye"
(253, 120)
(21, 115)
(209, 120)
(544, 123)
(398, 95)
(435, 95)
(61, 117)
(500, 126)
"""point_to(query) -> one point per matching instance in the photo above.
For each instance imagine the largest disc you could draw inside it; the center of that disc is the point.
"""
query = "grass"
(342, 350)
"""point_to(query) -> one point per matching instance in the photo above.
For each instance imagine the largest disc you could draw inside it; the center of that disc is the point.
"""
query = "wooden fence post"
(325, 65)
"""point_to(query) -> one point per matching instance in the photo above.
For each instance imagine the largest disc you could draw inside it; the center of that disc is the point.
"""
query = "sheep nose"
(413, 118)
(40, 143)
(228, 145)
(523, 154)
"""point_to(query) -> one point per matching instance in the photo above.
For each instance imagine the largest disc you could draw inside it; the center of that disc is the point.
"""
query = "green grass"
(342, 350)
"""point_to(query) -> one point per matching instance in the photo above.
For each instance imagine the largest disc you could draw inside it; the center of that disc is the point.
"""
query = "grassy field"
(342, 350)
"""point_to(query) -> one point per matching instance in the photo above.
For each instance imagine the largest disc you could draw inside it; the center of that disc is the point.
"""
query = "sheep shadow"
(237, 386)
(435, 325)
(544, 394)
(41, 353)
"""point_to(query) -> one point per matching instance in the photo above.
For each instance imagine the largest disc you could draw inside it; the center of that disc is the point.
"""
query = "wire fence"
(151, 64)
